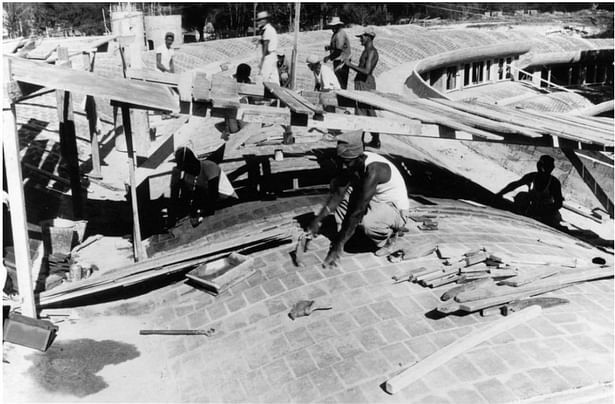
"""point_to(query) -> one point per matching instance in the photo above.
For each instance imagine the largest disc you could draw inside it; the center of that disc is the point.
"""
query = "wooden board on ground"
(439, 358)
(158, 266)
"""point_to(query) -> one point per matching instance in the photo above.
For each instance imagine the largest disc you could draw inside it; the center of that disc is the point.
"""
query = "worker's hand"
(332, 258)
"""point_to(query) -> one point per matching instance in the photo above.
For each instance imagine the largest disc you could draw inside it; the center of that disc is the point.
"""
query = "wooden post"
(90, 110)
(132, 166)
(293, 66)
(17, 202)
(68, 139)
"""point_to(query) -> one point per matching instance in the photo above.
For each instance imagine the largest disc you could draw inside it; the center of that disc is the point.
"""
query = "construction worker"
(283, 70)
(324, 78)
(269, 45)
(364, 80)
(368, 191)
(164, 54)
(194, 186)
(544, 199)
(339, 50)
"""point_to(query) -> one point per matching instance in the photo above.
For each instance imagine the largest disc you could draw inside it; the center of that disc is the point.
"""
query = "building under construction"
(108, 299)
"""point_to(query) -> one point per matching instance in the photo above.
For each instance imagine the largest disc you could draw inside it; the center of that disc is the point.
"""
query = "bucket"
(61, 235)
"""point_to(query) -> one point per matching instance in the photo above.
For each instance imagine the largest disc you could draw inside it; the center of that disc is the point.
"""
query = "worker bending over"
(194, 186)
(368, 191)
(324, 78)
(544, 199)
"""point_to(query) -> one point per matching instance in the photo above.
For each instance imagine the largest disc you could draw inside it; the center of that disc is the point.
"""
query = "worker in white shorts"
(269, 46)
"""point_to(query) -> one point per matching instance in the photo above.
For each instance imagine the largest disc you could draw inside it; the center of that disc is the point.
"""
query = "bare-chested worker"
(364, 80)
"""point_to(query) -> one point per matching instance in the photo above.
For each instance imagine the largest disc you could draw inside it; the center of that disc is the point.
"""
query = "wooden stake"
(68, 139)
(139, 252)
(433, 361)
(17, 202)
(293, 72)
(92, 114)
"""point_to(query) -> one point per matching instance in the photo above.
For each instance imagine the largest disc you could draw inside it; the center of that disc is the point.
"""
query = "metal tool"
(302, 246)
(518, 305)
(178, 332)
(304, 308)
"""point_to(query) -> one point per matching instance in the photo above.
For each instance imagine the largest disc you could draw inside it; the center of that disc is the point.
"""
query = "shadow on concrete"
(71, 367)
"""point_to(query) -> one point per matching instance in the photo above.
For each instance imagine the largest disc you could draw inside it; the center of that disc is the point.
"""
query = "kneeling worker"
(368, 190)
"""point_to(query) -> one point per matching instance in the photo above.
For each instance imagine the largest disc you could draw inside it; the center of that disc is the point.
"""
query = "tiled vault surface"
(375, 327)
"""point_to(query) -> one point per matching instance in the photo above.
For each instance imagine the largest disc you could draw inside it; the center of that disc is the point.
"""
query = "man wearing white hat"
(269, 45)
(324, 78)
(369, 191)
(339, 50)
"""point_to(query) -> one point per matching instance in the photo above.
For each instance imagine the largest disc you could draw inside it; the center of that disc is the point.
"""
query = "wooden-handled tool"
(178, 332)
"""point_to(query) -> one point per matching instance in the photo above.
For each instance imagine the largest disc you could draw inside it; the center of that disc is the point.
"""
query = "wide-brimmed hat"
(369, 31)
(334, 21)
(312, 60)
(261, 15)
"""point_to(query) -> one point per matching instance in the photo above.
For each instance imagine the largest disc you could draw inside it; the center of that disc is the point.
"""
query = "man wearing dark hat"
(368, 191)
(164, 54)
(544, 199)
(364, 80)
(339, 50)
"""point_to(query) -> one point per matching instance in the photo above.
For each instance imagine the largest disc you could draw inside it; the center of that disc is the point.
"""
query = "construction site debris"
(518, 305)
(304, 308)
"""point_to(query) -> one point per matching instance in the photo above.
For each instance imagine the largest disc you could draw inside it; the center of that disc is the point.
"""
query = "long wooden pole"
(17, 203)
(92, 115)
(402, 380)
(132, 165)
(293, 79)
(68, 138)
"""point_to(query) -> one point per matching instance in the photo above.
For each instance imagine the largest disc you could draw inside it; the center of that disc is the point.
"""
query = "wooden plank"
(556, 281)
(17, 203)
(139, 252)
(453, 292)
(461, 345)
(288, 98)
(92, 115)
(134, 93)
(343, 122)
(153, 76)
(408, 111)
(508, 124)
(158, 266)
(253, 90)
(597, 109)
(263, 114)
(573, 128)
